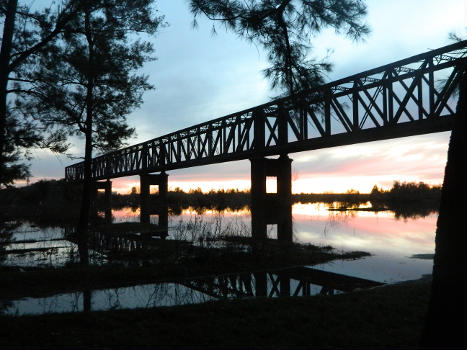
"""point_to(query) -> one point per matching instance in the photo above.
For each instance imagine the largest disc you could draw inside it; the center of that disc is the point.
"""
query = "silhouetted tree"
(284, 29)
(375, 190)
(445, 326)
(26, 35)
(87, 82)
(411, 191)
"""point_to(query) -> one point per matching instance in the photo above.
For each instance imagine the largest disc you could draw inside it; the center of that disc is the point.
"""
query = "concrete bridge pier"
(271, 208)
(154, 204)
(107, 187)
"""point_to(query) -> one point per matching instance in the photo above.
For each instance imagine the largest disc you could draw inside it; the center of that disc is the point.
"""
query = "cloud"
(419, 158)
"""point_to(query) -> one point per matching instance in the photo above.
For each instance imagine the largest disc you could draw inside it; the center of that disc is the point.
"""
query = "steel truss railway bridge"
(413, 96)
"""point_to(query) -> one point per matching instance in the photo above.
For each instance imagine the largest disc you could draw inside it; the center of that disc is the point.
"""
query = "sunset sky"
(199, 77)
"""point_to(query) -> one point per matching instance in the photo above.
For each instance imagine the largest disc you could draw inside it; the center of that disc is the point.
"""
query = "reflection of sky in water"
(314, 223)
(49, 257)
(375, 232)
(142, 296)
(391, 241)
(126, 214)
(29, 232)
(381, 268)
(29, 245)
(56, 257)
(39, 245)
(153, 295)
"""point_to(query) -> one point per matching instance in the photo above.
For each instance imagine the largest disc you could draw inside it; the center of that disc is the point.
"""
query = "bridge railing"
(408, 97)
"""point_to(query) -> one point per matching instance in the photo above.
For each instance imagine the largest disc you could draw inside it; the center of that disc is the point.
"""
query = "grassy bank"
(388, 317)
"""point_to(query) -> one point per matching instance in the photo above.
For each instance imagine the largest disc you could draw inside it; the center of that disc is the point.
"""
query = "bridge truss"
(409, 97)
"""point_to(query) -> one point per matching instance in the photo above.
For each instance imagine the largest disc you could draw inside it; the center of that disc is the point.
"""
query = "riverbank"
(389, 317)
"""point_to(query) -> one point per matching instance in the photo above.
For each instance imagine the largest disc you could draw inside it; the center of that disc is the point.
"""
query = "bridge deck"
(409, 97)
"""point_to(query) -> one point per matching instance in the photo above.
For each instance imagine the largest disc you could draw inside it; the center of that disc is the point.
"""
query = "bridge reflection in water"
(144, 237)
(298, 281)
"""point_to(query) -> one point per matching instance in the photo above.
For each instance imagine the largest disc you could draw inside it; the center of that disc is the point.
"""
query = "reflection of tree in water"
(73, 255)
(401, 210)
(336, 219)
(112, 297)
(149, 296)
(412, 212)
(76, 301)
(176, 294)
(170, 294)
(4, 306)
(6, 232)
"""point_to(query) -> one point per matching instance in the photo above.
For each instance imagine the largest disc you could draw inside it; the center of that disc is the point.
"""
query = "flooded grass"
(165, 259)
(389, 317)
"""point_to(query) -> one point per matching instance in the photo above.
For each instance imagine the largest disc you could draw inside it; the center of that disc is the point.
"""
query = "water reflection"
(287, 282)
(390, 240)
(381, 231)
(375, 232)
(6, 233)
(141, 296)
(25, 245)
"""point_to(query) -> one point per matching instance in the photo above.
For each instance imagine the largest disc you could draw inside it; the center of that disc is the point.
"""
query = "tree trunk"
(86, 197)
(87, 186)
(445, 324)
(5, 52)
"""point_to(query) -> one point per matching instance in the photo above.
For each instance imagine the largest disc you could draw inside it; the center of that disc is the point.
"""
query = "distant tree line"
(178, 199)
(47, 200)
(406, 192)
(408, 199)
(60, 199)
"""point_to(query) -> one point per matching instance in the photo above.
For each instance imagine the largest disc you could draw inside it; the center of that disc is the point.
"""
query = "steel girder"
(409, 97)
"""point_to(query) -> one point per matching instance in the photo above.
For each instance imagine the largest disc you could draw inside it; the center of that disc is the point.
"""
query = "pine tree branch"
(62, 20)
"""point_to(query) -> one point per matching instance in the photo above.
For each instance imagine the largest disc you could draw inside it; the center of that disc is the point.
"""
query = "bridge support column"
(154, 204)
(261, 285)
(284, 285)
(107, 187)
(271, 208)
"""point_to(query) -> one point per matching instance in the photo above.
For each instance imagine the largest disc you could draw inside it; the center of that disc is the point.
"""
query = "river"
(401, 249)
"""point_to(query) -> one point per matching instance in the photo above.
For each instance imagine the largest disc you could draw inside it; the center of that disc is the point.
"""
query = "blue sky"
(200, 76)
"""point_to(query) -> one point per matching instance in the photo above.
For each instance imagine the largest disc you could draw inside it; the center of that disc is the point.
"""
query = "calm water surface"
(298, 281)
(392, 242)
